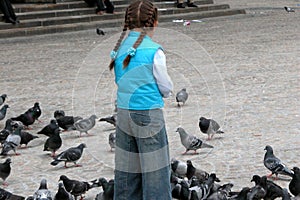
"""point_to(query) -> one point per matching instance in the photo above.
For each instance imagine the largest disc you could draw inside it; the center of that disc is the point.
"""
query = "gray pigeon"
(43, 193)
(5, 170)
(84, 125)
(75, 187)
(209, 127)
(222, 192)
(72, 154)
(6, 131)
(3, 111)
(181, 96)
(2, 99)
(192, 171)
(274, 164)
(62, 193)
(191, 142)
(112, 140)
(178, 167)
(13, 140)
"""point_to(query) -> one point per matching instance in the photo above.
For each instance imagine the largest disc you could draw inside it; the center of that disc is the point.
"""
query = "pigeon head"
(4, 96)
(183, 89)
(63, 178)
(59, 113)
(43, 184)
(179, 130)
(8, 161)
(36, 104)
(102, 181)
(61, 184)
(214, 177)
(53, 121)
(93, 117)
(202, 118)
(82, 146)
(256, 179)
(268, 148)
(296, 170)
(6, 106)
(189, 162)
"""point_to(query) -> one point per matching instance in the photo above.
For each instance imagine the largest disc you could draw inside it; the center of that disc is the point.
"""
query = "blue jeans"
(142, 162)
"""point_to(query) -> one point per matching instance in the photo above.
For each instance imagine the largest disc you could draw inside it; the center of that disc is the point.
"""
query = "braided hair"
(140, 14)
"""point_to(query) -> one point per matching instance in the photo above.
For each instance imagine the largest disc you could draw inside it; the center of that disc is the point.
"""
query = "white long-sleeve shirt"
(163, 80)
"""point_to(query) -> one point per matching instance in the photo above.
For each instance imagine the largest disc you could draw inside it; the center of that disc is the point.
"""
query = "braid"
(140, 14)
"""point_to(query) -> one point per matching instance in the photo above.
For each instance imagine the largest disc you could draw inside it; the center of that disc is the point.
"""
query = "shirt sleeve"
(163, 80)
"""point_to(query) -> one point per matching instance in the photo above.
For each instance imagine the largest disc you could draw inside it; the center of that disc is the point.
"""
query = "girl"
(142, 163)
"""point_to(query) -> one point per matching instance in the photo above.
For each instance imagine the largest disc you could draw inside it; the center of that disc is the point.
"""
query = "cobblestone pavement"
(241, 70)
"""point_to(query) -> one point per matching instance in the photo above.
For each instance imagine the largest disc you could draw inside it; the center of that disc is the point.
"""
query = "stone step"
(19, 8)
(110, 23)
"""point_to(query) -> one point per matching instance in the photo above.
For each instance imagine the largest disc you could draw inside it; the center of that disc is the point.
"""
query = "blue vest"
(137, 88)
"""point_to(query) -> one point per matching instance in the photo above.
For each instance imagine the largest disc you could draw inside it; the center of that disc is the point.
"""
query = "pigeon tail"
(204, 145)
(220, 132)
(287, 172)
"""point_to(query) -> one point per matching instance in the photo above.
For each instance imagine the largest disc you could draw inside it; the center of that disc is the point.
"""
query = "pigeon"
(12, 141)
(181, 190)
(112, 140)
(5, 195)
(259, 191)
(65, 122)
(49, 129)
(6, 131)
(181, 97)
(191, 142)
(108, 190)
(3, 111)
(84, 125)
(26, 138)
(273, 190)
(294, 185)
(72, 154)
(62, 193)
(191, 171)
(222, 192)
(112, 119)
(43, 193)
(274, 164)
(242, 195)
(100, 31)
(53, 143)
(37, 110)
(288, 9)
(27, 118)
(5, 170)
(2, 99)
(209, 127)
(75, 187)
(203, 190)
(178, 167)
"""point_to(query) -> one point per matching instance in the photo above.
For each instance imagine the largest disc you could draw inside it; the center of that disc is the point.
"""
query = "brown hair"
(139, 14)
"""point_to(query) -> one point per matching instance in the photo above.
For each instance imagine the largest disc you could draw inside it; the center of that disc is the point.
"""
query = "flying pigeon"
(181, 97)
(5, 170)
(27, 118)
(2, 99)
(3, 111)
(111, 119)
(84, 125)
(49, 129)
(209, 127)
(294, 185)
(75, 187)
(100, 31)
(112, 140)
(201, 175)
(274, 164)
(273, 190)
(26, 137)
(6, 131)
(62, 193)
(53, 143)
(43, 193)
(65, 122)
(178, 167)
(9, 196)
(12, 141)
(72, 154)
(108, 190)
(191, 142)
(288, 9)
